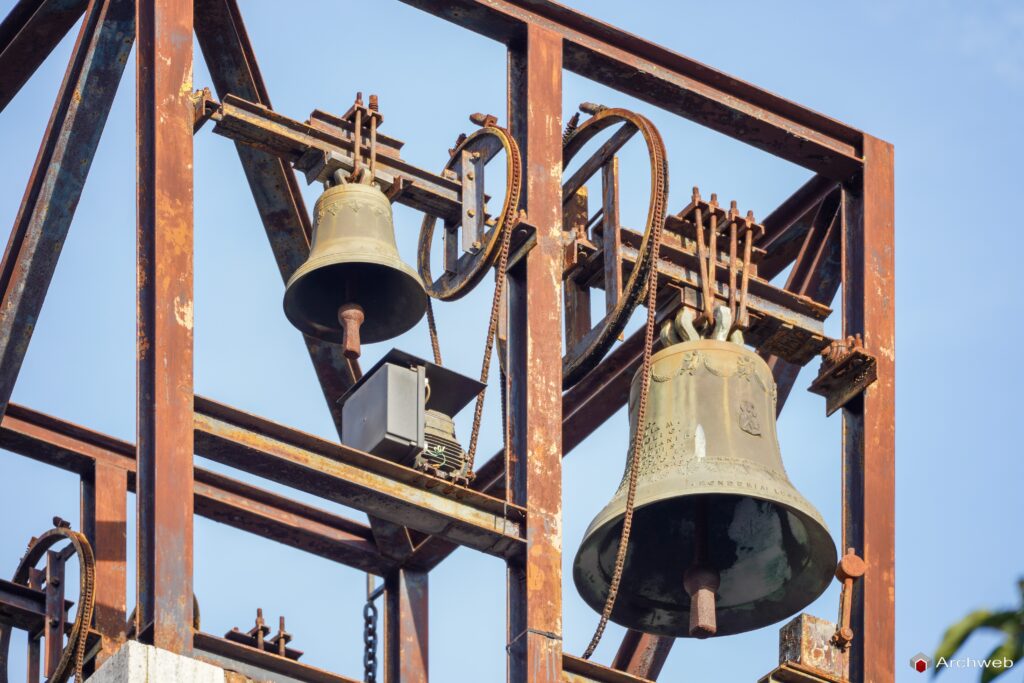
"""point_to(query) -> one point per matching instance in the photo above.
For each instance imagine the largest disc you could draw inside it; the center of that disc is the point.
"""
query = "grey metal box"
(383, 415)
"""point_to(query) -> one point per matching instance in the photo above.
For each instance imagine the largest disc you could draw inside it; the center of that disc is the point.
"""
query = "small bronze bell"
(354, 284)
(716, 517)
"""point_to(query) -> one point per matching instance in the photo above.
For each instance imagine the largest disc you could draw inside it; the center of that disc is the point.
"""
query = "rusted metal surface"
(104, 522)
(846, 371)
(622, 297)
(786, 226)
(406, 631)
(55, 613)
(322, 150)
(165, 320)
(642, 654)
(542, 36)
(217, 497)
(23, 607)
(258, 665)
(816, 273)
(28, 35)
(868, 427)
(481, 246)
(577, 670)
(805, 646)
(851, 567)
(534, 364)
(376, 486)
(58, 176)
(669, 80)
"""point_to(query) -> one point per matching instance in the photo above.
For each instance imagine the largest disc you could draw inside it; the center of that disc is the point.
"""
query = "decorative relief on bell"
(749, 421)
(708, 442)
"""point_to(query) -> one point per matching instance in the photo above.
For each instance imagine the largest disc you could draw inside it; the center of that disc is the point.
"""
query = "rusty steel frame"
(837, 229)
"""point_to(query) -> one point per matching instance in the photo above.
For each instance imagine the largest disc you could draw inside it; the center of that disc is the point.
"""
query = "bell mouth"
(773, 560)
(393, 300)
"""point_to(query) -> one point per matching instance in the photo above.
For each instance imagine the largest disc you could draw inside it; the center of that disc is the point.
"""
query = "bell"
(721, 541)
(354, 284)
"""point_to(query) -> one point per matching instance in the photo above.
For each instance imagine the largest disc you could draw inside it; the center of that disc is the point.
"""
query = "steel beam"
(217, 497)
(786, 226)
(164, 113)
(577, 670)
(406, 629)
(22, 607)
(868, 425)
(535, 362)
(643, 654)
(816, 273)
(105, 524)
(28, 35)
(344, 475)
(668, 80)
(58, 176)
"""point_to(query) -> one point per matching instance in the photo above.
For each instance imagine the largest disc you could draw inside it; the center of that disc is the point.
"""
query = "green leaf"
(1008, 649)
(959, 632)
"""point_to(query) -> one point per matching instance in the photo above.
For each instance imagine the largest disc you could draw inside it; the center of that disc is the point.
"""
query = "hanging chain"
(506, 224)
(641, 413)
(492, 329)
(432, 327)
(370, 633)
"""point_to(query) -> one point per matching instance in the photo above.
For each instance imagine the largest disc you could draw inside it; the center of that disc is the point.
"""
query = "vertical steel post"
(407, 633)
(55, 615)
(164, 375)
(104, 522)
(868, 425)
(535, 362)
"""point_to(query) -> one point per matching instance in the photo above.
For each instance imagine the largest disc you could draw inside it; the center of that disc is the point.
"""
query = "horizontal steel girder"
(373, 485)
(222, 499)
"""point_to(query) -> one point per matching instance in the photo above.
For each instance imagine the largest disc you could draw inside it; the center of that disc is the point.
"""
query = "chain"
(492, 328)
(370, 642)
(506, 224)
(432, 327)
(641, 413)
(73, 656)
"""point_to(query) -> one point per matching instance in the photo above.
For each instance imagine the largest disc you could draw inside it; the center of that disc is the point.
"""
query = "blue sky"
(943, 81)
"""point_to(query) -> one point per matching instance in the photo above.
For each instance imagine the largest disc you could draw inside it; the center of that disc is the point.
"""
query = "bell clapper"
(701, 581)
(351, 317)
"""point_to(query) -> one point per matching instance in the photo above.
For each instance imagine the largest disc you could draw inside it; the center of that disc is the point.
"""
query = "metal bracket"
(846, 371)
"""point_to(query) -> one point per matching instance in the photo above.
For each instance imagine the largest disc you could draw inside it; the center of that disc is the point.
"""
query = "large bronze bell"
(354, 284)
(715, 514)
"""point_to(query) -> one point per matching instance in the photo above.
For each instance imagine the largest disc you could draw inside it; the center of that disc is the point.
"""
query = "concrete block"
(139, 663)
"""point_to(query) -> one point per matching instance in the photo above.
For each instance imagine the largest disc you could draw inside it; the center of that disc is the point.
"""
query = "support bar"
(350, 477)
(217, 497)
(668, 80)
(28, 35)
